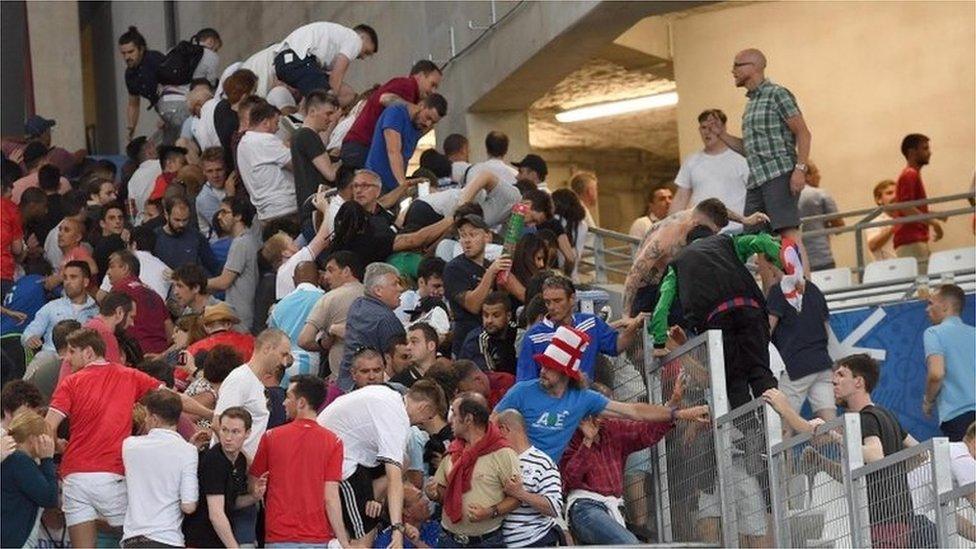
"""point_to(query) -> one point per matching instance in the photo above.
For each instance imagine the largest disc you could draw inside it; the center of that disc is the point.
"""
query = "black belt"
(466, 540)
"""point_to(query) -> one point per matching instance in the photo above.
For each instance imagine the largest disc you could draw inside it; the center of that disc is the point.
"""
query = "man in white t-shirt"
(714, 172)
(456, 150)
(244, 385)
(316, 56)
(287, 256)
(262, 65)
(496, 144)
(880, 241)
(264, 164)
(143, 180)
(373, 423)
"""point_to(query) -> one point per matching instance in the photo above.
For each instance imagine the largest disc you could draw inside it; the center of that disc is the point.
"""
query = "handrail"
(890, 207)
(894, 221)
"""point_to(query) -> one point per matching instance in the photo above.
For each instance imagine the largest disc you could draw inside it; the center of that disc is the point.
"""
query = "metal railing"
(957, 506)
(609, 254)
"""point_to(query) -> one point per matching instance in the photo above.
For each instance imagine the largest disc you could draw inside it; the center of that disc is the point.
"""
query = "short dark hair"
(474, 405)
(205, 33)
(79, 264)
(158, 369)
(428, 391)
(496, 143)
(109, 207)
(443, 374)
(715, 210)
(317, 98)
(468, 208)
(221, 360)
(133, 36)
(954, 294)
(560, 282)
(424, 66)
(535, 308)
(240, 205)
(32, 195)
(431, 266)
(263, 111)
(113, 301)
(540, 201)
(238, 412)
(463, 368)
(709, 112)
(130, 260)
(9, 172)
(912, 141)
(454, 143)
(191, 275)
(430, 334)
(525, 185)
(498, 297)
(437, 102)
(309, 387)
(170, 153)
(863, 366)
(49, 177)
(73, 203)
(164, 404)
(17, 393)
(345, 258)
(173, 201)
(85, 338)
(371, 33)
(61, 331)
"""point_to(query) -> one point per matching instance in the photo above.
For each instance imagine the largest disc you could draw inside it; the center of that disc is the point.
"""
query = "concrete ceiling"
(597, 81)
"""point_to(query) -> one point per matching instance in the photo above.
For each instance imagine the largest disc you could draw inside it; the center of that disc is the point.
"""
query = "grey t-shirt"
(497, 204)
(243, 260)
(815, 201)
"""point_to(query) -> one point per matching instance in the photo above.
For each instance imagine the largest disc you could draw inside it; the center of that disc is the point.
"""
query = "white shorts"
(750, 507)
(818, 388)
(89, 496)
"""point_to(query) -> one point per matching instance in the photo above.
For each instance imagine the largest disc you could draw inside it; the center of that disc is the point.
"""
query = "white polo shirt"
(160, 473)
(261, 160)
(243, 388)
(325, 41)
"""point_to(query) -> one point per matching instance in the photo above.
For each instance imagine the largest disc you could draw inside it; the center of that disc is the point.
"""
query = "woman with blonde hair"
(27, 480)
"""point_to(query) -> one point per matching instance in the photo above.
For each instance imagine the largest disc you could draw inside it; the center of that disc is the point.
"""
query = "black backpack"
(179, 63)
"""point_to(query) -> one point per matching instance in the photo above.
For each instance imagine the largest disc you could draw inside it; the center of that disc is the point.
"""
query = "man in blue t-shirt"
(395, 138)
(950, 345)
(559, 295)
(554, 405)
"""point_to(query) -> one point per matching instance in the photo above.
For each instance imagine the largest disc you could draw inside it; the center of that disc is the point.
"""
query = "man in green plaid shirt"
(775, 141)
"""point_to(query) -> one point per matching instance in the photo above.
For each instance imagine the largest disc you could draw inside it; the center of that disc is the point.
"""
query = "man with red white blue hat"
(554, 404)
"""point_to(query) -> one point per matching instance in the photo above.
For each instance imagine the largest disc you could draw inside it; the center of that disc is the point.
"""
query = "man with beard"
(493, 347)
(177, 243)
(396, 135)
(239, 279)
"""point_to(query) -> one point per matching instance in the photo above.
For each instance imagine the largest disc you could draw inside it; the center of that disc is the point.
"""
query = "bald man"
(775, 142)
(71, 233)
(538, 490)
(289, 315)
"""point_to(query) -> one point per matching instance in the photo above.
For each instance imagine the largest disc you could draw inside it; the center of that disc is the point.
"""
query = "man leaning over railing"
(889, 501)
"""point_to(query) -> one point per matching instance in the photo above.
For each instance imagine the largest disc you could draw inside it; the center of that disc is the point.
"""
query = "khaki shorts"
(918, 250)
(818, 388)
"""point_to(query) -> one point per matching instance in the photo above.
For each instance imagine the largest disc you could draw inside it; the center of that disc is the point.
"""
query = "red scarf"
(463, 459)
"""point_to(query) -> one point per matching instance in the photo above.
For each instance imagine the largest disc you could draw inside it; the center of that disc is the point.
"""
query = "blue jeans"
(295, 545)
(494, 539)
(592, 524)
(243, 523)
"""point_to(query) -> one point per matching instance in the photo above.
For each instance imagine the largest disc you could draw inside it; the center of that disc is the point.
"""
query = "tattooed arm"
(644, 271)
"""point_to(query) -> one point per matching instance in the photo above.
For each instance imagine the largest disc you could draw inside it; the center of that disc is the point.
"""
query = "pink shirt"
(30, 180)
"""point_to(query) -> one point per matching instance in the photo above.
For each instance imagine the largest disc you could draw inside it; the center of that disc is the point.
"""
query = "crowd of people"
(263, 331)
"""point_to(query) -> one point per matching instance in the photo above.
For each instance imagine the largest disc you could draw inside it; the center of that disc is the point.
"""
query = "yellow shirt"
(490, 473)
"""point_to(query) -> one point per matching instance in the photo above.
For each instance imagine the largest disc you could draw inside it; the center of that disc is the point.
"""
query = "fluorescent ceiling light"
(623, 106)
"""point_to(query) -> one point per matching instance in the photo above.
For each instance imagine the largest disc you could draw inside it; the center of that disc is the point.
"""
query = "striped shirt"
(540, 476)
(770, 144)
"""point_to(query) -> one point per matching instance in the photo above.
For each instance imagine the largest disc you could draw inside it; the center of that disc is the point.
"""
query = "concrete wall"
(13, 56)
(57, 69)
(864, 73)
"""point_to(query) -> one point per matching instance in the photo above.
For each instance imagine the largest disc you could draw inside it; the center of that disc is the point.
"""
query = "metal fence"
(958, 506)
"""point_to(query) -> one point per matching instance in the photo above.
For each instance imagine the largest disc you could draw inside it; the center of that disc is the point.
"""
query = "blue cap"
(36, 125)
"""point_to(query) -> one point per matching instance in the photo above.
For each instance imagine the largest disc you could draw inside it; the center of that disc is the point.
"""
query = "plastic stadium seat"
(890, 269)
(832, 279)
(947, 261)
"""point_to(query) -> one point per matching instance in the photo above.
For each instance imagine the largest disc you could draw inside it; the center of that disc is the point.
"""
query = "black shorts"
(355, 492)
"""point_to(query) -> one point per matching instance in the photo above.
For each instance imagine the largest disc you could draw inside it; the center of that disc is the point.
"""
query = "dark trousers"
(955, 428)
(353, 155)
(745, 343)
(491, 539)
(304, 74)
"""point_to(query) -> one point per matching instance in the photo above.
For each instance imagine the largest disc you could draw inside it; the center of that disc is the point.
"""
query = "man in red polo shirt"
(151, 325)
(912, 239)
(302, 462)
(11, 237)
(423, 80)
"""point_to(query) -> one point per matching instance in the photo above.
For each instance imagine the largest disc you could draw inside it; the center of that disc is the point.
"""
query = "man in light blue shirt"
(75, 304)
(213, 190)
(950, 356)
(289, 315)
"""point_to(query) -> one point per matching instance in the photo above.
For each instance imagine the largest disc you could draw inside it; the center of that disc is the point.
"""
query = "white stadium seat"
(832, 279)
(957, 259)
(890, 269)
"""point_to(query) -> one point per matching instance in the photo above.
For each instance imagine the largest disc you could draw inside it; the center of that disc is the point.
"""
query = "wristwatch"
(494, 511)
(397, 527)
(801, 166)
(674, 413)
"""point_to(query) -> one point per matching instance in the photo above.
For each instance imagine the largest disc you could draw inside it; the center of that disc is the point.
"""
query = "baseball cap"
(471, 219)
(534, 162)
(36, 125)
(34, 151)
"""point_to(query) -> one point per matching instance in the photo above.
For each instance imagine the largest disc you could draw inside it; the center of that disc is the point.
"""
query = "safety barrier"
(958, 506)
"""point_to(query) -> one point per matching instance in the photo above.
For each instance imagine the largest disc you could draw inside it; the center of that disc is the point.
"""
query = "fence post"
(599, 259)
(774, 436)
(723, 440)
(856, 489)
(942, 483)
(659, 465)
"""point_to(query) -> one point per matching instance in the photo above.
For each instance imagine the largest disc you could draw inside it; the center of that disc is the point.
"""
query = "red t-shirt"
(500, 383)
(98, 401)
(149, 327)
(162, 183)
(909, 188)
(10, 231)
(362, 129)
(242, 343)
(299, 457)
(112, 351)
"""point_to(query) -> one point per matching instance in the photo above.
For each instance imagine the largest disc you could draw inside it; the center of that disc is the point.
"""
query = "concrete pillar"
(515, 124)
(150, 19)
(56, 62)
